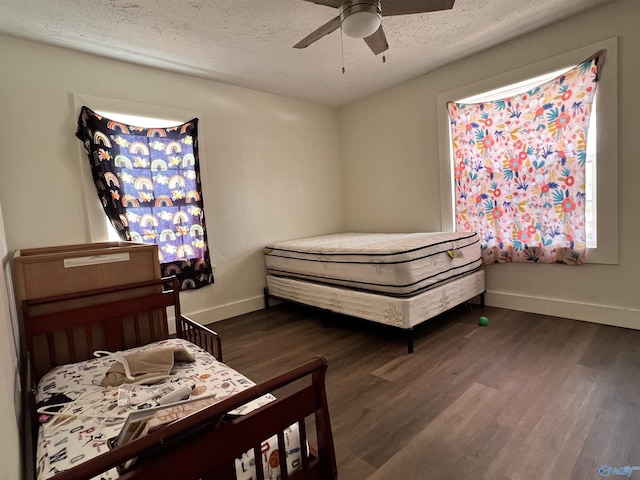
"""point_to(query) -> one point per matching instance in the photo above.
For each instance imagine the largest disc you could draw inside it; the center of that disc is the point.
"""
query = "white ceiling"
(249, 42)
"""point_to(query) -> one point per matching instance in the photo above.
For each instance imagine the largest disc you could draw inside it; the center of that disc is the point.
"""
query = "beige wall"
(270, 171)
(9, 383)
(391, 168)
(270, 165)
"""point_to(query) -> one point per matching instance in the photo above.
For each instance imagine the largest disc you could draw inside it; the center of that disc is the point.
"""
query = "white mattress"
(401, 264)
(399, 312)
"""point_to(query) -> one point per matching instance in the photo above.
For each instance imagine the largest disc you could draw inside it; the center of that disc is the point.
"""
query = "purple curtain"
(148, 181)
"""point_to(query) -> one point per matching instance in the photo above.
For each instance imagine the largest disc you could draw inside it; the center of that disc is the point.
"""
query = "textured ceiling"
(249, 42)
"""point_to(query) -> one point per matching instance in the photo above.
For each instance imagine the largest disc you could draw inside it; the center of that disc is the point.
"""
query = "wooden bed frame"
(68, 328)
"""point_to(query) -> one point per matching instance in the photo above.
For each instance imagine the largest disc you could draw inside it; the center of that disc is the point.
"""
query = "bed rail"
(205, 446)
(190, 330)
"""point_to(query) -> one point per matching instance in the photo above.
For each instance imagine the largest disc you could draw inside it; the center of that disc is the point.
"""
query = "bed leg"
(482, 299)
(410, 340)
(265, 292)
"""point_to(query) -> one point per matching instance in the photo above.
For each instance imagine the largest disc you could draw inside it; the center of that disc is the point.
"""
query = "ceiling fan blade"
(328, 3)
(316, 35)
(378, 41)
(406, 7)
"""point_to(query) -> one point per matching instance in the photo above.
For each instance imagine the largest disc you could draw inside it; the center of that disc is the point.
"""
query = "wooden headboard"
(69, 328)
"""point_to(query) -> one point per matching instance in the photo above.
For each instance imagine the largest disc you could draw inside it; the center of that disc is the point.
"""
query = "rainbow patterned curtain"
(148, 181)
(519, 168)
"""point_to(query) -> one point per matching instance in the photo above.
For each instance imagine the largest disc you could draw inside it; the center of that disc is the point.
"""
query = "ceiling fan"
(363, 18)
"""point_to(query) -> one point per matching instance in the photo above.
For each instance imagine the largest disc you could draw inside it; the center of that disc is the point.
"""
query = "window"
(147, 122)
(148, 182)
(602, 201)
(519, 166)
(97, 226)
(590, 166)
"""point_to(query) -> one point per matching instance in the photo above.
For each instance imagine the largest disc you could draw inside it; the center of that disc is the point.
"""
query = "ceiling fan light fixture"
(360, 19)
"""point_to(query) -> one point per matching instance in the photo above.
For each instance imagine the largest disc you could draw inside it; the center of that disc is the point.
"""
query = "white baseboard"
(222, 312)
(595, 313)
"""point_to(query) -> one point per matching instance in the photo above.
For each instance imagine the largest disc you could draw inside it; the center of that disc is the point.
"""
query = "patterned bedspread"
(89, 415)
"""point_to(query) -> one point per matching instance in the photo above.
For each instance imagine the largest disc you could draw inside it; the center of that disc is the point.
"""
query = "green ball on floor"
(483, 321)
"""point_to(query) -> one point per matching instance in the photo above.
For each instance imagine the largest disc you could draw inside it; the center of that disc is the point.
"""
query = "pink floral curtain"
(519, 167)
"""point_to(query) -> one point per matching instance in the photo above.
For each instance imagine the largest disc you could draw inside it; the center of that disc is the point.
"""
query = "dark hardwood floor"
(527, 397)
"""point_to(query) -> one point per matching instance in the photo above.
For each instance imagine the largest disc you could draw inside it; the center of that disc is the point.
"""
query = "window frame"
(97, 224)
(606, 251)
